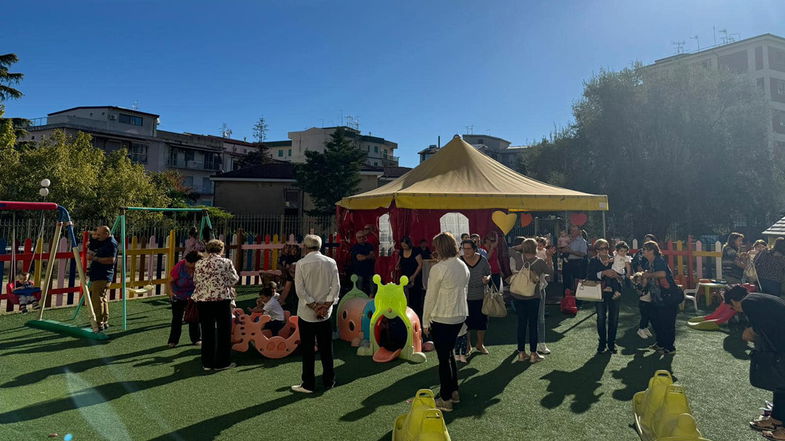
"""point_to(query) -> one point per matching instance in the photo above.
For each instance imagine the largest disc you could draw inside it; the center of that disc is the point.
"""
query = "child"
(268, 304)
(644, 306)
(622, 262)
(462, 344)
(542, 245)
(25, 291)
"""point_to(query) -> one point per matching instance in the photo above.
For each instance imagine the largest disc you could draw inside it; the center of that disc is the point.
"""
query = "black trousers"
(317, 334)
(665, 325)
(215, 319)
(178, 309)
(574, 269)
(527, 311)
(444, 337)
(607, 321)
(778, 412)
(416, 297)
(645, 310)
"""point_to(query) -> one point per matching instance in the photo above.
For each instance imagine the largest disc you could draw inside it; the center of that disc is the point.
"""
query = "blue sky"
(409, 70)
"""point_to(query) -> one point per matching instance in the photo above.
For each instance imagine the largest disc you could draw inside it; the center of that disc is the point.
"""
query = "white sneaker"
(542, 349)
(648, 332)
(643, 334)
(301, 389)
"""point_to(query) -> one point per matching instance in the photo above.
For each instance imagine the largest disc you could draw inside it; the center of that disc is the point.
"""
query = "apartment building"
(195, 157)
(496, 148)
(761, 59)
(380, 151)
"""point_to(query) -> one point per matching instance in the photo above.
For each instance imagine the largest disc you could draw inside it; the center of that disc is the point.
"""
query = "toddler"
(25, 291)
(462, 344)
(268, 304)
(621, 260)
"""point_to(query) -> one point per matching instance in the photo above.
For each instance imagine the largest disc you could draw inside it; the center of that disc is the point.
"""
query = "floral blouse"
(214, 279)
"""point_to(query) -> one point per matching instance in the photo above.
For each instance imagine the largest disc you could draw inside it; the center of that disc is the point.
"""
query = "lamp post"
(44, 190)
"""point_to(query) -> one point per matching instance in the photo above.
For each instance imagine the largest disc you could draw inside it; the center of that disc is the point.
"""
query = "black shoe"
(326, 387)
(600, 349)
(612, 350)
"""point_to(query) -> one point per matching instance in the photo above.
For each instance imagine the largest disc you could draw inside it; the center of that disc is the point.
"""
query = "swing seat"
(13, 299)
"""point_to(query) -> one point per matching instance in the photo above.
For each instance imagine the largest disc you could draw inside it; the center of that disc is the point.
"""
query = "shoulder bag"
(589, 291)
(524, 282)
(493, 302)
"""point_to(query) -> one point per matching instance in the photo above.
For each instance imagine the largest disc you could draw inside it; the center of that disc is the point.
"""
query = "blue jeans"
(607, 321)
(527, 320)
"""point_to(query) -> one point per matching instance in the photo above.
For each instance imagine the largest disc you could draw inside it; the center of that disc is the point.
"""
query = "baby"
(25, 291)
(621, 260)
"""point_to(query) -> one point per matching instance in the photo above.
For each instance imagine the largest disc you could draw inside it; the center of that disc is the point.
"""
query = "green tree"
(255, 157)
(331, 175)
(677, 151)
(8, 79)
(260, 130)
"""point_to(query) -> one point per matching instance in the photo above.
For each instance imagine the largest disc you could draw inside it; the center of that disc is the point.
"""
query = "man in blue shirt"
(102, 256)
(363, 260)
(575, 267)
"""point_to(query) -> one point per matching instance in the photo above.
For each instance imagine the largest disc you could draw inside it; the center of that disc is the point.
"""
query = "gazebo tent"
(456, 179)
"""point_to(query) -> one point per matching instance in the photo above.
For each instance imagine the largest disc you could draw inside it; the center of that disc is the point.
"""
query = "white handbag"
(589, 291)
(524, 282)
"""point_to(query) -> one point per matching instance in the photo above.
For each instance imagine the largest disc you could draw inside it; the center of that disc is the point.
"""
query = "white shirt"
(620, 263)
(273, 309)
(445, 299)
(316, 281)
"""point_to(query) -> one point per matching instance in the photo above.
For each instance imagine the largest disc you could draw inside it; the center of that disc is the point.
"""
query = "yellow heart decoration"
(504, 221)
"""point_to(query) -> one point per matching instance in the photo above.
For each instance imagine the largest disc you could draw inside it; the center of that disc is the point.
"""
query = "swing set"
(64, 224)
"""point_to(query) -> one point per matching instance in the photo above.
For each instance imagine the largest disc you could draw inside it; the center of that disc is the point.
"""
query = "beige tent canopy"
(460, 177)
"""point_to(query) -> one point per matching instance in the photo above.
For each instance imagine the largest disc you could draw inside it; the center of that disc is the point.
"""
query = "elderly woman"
(214, 280)
(181, 287)
(770, 268)
(444, 313)
(658, 277)
(600, 270)
(527, 307)
(733, 263)
(479, 276)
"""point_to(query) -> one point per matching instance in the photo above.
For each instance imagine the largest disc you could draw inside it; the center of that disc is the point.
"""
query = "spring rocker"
(424, 422)
(662, 412)
(394, 329)
(248, 329)
(351, 311)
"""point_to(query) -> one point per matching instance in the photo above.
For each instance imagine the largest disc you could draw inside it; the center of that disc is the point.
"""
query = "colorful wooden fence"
(149, 261)
(690, 261)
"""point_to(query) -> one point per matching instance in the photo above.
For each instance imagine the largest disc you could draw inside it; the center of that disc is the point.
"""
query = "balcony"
(194, 165)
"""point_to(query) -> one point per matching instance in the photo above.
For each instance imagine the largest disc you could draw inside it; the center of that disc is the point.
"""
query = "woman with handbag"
(444, 313)
(214, 280)
(525, 292)
(181, 287)
(601, 270)
(479, 277)
(766, 314)
(658, 280)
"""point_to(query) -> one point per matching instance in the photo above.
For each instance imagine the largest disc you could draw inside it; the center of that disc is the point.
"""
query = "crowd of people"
(450, 304)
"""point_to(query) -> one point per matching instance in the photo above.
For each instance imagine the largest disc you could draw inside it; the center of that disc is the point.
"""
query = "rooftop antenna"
(679, 45)
(353, 122)
(714, 31)
(469, 130)
(135, 105)
(697, 41)
(724, 40)
(226, 132)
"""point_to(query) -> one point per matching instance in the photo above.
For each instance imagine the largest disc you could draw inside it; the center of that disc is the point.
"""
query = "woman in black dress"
(410, 265)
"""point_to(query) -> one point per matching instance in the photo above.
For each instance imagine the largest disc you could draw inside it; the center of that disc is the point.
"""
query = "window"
(290, 152)
(212, 161)
(386, 241)
(455, 223)
(778, 120)
(776, 59)
(759, 82)
(735, 62)
(280, 153)
(385, 154)
(130, 119)
(375, 164)
(207, 185)
(759, 58)
(778, 90)
(480, 141)
(189, 155)
(291, 197)
(376, 149)
(188, 181)
(138, 153)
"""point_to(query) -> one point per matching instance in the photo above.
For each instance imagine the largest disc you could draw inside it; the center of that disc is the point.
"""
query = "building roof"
(460, 177)
(123, 109)
(395, 172)
(778, 229)
(474, 135)
(429, 149)
(720, 46)
(287, 143)
(275, 170)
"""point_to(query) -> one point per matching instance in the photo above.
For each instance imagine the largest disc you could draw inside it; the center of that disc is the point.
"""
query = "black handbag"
(767, 367)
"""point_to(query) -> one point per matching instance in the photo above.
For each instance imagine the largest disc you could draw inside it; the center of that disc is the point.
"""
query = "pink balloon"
(526, 219)
(579, 219)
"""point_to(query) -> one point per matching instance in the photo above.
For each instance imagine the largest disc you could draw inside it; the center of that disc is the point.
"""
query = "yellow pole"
(170, 257)
(49, 268)
(83, 282)
(39, 251)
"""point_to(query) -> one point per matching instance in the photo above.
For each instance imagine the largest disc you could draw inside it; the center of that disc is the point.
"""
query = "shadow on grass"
(734, 345)
(638, 371)
(563, 384)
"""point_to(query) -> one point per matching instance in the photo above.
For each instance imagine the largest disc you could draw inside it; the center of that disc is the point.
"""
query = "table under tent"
(458, 179)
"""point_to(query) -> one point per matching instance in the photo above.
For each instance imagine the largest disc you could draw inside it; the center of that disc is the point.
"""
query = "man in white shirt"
(318, 287)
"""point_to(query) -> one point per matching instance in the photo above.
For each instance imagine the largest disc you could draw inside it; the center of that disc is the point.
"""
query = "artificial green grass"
(133, 387)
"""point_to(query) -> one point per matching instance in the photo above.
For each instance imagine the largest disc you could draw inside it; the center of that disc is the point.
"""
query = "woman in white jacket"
(444, 312)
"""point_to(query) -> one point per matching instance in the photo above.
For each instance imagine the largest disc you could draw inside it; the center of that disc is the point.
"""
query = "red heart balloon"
(579, 219)
(526, 219)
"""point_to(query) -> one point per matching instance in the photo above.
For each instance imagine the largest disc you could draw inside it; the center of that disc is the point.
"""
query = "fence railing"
(691, 260)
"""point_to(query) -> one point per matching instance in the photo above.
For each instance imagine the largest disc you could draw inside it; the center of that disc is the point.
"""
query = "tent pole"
(603, 224)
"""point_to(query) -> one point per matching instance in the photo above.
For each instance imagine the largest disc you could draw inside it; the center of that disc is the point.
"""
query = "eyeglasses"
(602, 248)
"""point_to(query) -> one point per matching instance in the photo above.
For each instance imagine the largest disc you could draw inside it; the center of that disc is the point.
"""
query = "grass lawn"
(133, 387)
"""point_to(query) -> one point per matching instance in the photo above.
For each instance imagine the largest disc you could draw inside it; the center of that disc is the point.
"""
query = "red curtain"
(417, 224)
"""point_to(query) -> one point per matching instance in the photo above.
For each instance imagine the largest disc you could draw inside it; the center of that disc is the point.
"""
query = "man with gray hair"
(317, 285)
